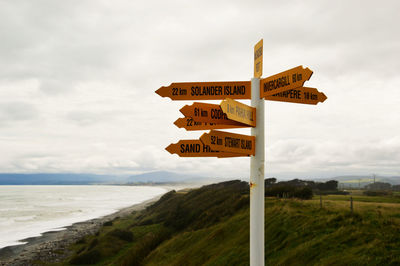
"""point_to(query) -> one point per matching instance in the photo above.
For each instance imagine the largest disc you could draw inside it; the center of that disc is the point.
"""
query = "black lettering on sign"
(213, 140)
(245, 144)
(190, 122)
(182, 91)
(232, 142)
(314, 96)
(174, 91)
(193, 91)
(277, 83)
(190, 148)
(207, 148)
(236, 90)
(258, 53)
(218, 114)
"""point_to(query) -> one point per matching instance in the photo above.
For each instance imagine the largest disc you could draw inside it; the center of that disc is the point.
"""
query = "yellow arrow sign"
(284, 81)
(195, 148)
(239, 112)
(302, 95)
(189, 124)
(208, 113)
(229, 142)
(217, 90)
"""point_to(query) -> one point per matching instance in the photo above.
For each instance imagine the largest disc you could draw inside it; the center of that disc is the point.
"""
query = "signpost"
(189, 124)
(239, 112)
(229, 142)
(286, 86)
(284, 81)
(217, 90)
(303, 95)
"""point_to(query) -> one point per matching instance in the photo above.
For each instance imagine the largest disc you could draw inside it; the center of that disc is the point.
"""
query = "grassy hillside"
(210, 226)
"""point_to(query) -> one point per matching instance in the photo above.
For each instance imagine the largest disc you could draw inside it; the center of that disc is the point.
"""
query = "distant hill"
(169, 177)
(362, 180)
(89, 179)
(56, 179)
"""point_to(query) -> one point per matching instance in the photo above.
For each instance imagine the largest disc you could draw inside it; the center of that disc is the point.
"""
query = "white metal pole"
(257, 164)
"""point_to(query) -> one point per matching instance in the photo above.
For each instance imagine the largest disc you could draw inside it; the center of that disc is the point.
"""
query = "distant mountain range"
(362, 180)
(88, 179)
(165, 177)
(54, 179)
(156, 177)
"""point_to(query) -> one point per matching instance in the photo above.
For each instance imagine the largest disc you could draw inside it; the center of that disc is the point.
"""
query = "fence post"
(320, 201)
(351, 205)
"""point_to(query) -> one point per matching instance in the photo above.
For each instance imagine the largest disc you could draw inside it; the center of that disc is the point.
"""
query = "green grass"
(362, 198)
(299, 233)
(210, 226)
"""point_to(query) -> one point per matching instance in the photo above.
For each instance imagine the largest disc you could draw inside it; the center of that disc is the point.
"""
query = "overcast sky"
(77, 82)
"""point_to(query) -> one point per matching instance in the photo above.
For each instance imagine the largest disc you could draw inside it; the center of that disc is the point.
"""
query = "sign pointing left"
(217, 90)
(195, 148)
(207, 112)
(189, 124)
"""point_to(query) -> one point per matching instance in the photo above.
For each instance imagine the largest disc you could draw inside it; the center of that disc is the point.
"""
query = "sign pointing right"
(239, 112)
(302, 95)
(229, 142)
(284, 81)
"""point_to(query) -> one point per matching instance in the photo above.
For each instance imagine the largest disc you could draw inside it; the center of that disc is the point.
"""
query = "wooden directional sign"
(195, 148)
(303, 95)
(258, 59)
(207, 112)
(218, 90)
(189, 124)
(239, 112)
(284, 81)
(229, 142)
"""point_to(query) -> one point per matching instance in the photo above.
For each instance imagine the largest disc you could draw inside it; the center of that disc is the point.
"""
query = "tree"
(269, 181)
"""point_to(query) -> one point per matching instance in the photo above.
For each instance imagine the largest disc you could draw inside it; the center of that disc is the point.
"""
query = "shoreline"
(53, 245)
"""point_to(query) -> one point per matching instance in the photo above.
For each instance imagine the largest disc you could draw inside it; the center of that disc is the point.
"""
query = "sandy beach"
(52, 246)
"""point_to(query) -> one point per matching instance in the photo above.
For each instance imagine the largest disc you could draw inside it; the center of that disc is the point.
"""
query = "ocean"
(28, 211)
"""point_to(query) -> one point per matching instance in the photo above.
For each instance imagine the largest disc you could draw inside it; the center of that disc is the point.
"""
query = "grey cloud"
(86, 57)
(85, 118)
(55, 87)
(17, 111)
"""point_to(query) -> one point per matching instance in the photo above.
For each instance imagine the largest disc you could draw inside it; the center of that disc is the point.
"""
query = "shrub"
(108, 223)
(81, 241)
(377, 193)
(122, 234)
(93, 243)
(288, 191)
(332, 192)
(148, 243)
(90, 257)
(303, 193)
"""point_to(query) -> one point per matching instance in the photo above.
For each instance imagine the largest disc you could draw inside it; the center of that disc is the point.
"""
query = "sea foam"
(29, 211)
